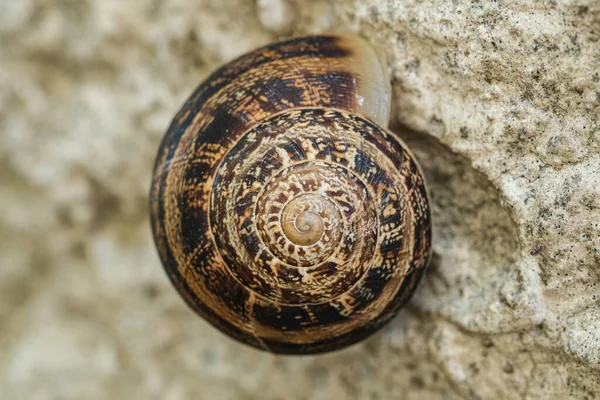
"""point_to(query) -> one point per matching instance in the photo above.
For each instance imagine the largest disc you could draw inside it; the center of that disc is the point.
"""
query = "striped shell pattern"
(283, 211)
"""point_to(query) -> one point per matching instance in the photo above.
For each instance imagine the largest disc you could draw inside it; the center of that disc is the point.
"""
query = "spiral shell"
(283, 212)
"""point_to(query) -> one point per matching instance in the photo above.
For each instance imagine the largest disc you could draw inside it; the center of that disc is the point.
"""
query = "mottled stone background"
(500, 100)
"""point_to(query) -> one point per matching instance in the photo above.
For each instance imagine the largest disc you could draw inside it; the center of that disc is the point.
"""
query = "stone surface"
(500, 101)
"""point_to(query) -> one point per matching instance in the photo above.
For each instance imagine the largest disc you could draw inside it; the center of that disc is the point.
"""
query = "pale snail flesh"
(283, 211)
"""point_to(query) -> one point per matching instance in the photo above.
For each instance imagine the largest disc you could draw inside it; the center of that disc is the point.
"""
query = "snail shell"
(283, 211)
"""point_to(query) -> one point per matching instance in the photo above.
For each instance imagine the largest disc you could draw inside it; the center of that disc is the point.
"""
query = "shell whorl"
(282, 212)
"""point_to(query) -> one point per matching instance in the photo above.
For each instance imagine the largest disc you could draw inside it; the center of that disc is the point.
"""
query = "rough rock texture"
(500, 101)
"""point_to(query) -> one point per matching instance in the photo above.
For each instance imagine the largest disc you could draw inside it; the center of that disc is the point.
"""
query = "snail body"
(283, 211)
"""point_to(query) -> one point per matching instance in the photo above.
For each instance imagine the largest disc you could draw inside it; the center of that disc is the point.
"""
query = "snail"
(283, 210)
